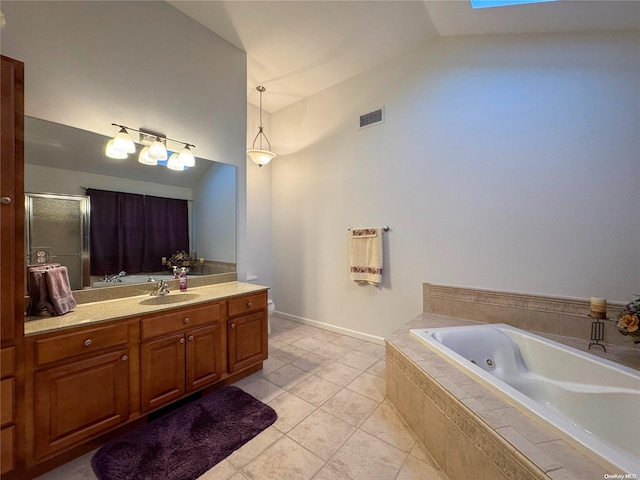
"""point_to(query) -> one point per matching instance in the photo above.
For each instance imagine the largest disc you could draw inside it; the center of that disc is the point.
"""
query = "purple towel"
(59, 290)
(39, 299)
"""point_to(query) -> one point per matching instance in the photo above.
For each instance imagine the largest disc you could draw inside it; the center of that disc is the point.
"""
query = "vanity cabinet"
(81, 385)
(247, 331)
(181, 352)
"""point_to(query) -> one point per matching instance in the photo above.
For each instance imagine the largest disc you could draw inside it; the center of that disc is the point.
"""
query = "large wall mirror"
(61, 162)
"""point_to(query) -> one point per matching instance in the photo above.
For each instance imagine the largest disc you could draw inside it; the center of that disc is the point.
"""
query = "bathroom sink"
(169, 298)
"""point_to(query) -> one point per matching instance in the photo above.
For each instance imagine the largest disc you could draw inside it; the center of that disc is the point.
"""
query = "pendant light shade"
(111, 152)
(145, 159)
(259, 155)
(186, 157)
(157, 150)
(174, 163)
(123, 142)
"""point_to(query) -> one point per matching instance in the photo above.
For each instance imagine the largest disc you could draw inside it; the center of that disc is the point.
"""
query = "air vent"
(372, 118)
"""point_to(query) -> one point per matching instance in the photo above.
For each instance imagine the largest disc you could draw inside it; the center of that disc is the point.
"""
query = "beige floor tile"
(350, 406)
(322, 433)
(371, 349)
(78, 469)
(285, 459)
(349, 342)
(259, 388)
(291, 410)
(286, 353)
(339, 373)
(378, 368)
(315, 390)
(331, 350)
(237, 476)
(309, 343)
(331, 473)
(288, 337)
(414, 469)
(386, 424)
(271, 364)
(370, 386)
(364, 457)
(358, 360)
(312, 363)
(254, 447)
(325, 335)
(286, 376)
(222, 471)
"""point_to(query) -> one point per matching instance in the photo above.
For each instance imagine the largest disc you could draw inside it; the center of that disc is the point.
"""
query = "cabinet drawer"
(71, 344)
(7, 394)
(8, 362)
(179, 320)
(247, 303)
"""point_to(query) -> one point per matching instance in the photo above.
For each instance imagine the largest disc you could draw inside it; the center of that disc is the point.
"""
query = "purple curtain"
(132, 232)
(166, 229)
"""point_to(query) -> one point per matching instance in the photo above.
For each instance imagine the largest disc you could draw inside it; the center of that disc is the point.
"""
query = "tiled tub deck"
(471, 432)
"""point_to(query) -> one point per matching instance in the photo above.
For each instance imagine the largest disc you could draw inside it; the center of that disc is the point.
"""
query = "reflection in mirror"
(65, 161)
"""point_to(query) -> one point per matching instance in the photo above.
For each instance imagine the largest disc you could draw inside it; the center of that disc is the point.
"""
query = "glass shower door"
(57, 231)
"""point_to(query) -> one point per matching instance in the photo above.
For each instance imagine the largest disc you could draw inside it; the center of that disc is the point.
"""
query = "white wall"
(259, 208)
(142, 64)
(505, 162)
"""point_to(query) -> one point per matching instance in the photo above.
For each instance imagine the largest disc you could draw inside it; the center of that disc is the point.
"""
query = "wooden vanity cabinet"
(247, 327)
(181, 352)
(80, 385)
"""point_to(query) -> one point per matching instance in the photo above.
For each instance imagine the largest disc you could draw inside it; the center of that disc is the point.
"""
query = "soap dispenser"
(183, 280)
(175, 273)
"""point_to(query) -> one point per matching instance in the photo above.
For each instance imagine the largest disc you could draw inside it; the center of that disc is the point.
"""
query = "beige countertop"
(107, 310)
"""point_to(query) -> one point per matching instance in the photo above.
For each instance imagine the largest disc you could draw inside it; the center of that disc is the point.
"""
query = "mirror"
(65, 160)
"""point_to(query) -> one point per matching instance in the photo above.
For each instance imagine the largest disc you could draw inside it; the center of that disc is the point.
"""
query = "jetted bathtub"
(592, 400)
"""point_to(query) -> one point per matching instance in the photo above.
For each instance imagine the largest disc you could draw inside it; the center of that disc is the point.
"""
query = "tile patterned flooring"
(334, 421)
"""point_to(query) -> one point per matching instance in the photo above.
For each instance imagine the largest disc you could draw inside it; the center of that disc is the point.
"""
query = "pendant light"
(258, 155)
(186, 157)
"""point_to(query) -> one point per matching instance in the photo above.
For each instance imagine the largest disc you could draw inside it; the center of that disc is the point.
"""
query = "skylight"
(503, 3)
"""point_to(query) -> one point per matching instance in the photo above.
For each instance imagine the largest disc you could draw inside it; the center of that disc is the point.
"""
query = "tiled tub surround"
(546, 314)
(469, 431)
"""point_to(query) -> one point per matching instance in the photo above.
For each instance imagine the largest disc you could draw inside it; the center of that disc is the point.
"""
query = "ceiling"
(298, 48)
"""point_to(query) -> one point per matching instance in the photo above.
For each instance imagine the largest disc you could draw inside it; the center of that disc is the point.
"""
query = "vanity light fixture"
(155, 150)
(258, 155)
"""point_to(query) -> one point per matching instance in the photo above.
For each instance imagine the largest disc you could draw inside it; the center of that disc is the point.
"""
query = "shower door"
(57, 231)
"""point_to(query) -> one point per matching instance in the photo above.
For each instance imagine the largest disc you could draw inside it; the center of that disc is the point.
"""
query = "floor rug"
(187, 442)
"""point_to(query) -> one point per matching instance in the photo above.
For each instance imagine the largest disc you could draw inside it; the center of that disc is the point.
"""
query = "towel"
(366, 255)
(59, 290)
(39, 299)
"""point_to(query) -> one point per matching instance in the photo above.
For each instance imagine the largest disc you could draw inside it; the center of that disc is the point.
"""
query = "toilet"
(271, 306)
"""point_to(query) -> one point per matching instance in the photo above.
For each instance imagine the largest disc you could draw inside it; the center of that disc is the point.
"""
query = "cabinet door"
(80, 399)
(162, 366)
(247, 340)
(205, 356)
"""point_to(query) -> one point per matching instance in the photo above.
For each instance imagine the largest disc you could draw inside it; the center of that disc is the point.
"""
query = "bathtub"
(591, 400)
(135, 278)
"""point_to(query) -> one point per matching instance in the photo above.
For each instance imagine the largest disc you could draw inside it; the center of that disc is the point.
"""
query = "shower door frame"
(85, 209)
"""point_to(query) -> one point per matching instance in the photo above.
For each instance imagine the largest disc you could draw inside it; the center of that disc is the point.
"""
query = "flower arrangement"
(181, 259)
(629, 319)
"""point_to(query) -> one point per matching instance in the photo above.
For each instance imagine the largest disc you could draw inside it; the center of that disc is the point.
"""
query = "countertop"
(108, 310)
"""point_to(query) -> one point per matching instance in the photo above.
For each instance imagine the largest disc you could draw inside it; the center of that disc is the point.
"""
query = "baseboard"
(332, 328)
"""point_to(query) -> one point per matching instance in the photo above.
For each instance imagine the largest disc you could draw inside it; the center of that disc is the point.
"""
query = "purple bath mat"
(187, 442)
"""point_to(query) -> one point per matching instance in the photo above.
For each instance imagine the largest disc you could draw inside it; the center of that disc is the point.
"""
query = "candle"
(598, 307)
(164, 260)
(201, 260)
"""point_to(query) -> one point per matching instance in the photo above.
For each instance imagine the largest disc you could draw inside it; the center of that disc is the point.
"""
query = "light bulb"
(145, 159)
(123, 142)
(112, 152)
(186, 157)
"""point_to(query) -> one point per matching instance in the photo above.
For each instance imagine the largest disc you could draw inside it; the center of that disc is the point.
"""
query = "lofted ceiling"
(298, 48)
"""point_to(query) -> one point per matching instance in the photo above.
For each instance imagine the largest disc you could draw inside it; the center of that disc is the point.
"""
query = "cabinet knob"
(5, 200)
(186, 320)
(233, 325)
(182, 340)
(87, 342)
(124, 358)
(249, 304)
(190, 338)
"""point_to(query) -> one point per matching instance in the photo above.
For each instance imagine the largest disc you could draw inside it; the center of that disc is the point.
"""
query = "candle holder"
(597, 333)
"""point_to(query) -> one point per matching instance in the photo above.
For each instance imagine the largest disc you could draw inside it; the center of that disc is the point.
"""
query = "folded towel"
(39, 299)
(59, 290)
(366, 255)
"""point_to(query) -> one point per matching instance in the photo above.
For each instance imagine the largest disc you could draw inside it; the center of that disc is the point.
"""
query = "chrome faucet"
(114, 278)
(161, 289)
